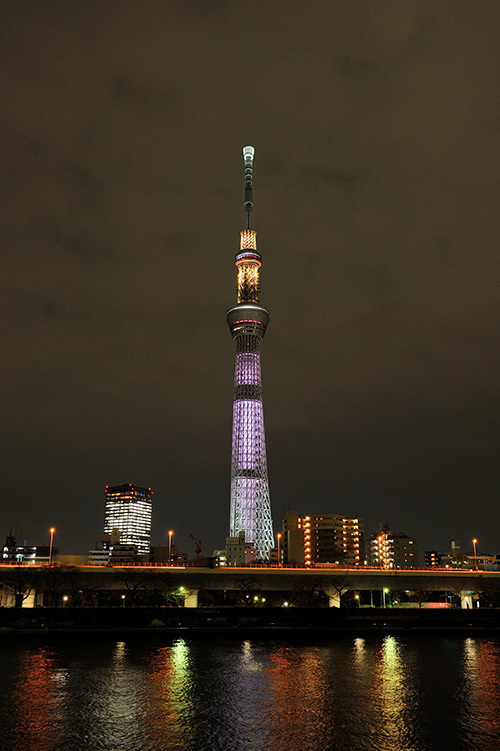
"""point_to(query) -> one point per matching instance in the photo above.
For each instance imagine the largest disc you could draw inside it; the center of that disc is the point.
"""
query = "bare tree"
(20, 582)
(57, 581)
(453, 589)
(247, 588)
(308, 593)
(135, 582)
(337, 585)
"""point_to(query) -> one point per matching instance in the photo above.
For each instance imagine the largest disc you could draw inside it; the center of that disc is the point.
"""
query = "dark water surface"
(95, 693)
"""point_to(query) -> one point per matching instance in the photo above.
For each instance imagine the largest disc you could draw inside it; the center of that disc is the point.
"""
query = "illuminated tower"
(250, 503)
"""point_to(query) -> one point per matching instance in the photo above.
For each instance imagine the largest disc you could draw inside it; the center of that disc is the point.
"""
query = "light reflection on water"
(481, 692)
(151, 694)
(168, 707)
(37, 697)
(396, 688)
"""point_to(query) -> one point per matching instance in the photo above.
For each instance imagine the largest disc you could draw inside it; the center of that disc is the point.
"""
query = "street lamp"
(356, 597)
(384, 592)
(65, 599)
(170, 533)
(123, 601)
(51, 530)
(474, 543)
(279, 550)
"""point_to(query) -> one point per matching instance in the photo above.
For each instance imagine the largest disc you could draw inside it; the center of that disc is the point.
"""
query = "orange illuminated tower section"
(250, 501)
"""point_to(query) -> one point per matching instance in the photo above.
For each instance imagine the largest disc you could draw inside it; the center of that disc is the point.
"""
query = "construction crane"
(197, 546)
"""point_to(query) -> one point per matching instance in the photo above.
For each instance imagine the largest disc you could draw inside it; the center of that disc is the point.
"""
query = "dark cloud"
(376, 187)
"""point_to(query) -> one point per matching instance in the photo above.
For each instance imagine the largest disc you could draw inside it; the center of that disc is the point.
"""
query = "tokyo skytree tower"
(250, 502)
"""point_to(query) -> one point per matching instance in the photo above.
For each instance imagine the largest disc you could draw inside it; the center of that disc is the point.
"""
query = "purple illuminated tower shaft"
(250, 502)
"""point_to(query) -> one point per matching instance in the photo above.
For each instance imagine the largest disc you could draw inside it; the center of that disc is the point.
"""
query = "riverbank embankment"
(239, 619)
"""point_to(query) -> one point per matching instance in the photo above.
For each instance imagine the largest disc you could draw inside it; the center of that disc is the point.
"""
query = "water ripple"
(374, 694)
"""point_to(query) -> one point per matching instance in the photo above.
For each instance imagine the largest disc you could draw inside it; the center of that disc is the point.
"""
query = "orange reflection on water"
(169, 701)
(37, 699)
(296, 695)
(482, 688)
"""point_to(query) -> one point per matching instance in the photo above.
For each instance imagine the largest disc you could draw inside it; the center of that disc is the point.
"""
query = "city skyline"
(375, 127)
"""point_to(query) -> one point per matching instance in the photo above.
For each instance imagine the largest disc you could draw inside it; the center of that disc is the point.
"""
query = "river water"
(214, 693)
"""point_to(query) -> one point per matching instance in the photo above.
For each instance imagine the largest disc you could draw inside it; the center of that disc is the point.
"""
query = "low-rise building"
(18, 551)
(238, 551)
(456, 559)
(123, 553)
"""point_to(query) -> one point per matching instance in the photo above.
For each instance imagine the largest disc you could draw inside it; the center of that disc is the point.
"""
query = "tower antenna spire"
(248, 154)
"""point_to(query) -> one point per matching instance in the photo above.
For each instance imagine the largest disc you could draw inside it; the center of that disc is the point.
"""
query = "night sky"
(377, 187)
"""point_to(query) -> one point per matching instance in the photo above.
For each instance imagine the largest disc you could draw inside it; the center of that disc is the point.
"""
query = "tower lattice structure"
(250, 500)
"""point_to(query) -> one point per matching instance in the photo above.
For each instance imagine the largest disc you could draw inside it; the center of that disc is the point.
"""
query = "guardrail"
(250, 566)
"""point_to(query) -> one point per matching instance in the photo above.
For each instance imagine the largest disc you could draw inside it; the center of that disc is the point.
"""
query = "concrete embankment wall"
(240, 618)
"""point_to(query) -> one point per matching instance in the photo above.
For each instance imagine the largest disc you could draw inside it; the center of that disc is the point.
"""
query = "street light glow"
(170, 533)
(51, 530)
(474, 543)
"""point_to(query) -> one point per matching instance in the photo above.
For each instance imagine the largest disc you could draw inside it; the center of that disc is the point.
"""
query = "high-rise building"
(322, 538)
(128, 510)
(292, 546)
(353, 541)
(250, 502)
(322, 535)
(390, 549)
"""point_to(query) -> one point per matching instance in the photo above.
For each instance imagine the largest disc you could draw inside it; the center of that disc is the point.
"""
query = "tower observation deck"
(250, 501)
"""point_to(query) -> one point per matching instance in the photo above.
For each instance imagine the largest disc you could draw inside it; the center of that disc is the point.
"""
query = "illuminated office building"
(128, 510)
(250, 502)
